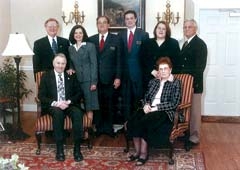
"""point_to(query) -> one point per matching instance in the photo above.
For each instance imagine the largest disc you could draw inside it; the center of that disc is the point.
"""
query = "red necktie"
(130, 40)
(101, 45)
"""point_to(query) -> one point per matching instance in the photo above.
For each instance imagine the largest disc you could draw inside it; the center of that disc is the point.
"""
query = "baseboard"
(221, 119)
(29, 107)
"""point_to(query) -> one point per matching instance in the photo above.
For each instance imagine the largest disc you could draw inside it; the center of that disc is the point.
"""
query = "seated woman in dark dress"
(160, 103)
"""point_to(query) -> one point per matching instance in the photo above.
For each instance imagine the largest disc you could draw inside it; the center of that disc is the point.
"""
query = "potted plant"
(8, 81)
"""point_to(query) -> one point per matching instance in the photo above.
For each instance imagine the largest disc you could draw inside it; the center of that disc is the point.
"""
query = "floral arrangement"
(12, 163)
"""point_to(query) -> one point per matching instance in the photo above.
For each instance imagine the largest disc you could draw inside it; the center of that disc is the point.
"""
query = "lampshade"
(17, 45)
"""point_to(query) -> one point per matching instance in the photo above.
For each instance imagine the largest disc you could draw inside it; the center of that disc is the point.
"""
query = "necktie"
(185, 44)
(54, 46)
(101, 45)
(60, 88)
(130, 40)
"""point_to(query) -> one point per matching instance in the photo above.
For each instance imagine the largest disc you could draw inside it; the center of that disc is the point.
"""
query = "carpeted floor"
(100, 158)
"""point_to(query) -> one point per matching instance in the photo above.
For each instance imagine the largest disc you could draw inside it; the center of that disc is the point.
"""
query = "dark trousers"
(132, 93)
(154, 127)
(58, 116)
(104, 117)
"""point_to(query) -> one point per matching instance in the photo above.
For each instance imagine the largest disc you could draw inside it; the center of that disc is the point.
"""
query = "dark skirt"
(154, 127)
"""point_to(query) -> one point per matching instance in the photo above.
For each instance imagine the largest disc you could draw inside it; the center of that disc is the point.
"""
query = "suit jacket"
(43, 54)
(131, 60)
(109, 59)
(48, 90)
(192, 60)
(170, 97)
(84, 61)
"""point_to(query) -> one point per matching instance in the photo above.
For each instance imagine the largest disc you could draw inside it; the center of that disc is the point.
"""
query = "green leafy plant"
(8, 81)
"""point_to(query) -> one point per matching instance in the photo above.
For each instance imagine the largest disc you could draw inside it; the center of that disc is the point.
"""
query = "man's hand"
(62, 104)
(93, 87)
(116, 83)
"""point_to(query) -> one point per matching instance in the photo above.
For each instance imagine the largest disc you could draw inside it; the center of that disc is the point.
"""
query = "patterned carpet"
(100, 158)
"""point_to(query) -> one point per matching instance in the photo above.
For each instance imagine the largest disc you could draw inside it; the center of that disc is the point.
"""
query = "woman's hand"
(147, 108)
(71, 71)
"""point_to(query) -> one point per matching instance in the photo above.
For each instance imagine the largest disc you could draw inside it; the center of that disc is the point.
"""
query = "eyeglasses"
(104, 22)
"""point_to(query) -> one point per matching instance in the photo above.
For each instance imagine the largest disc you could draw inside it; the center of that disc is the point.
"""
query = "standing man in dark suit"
(109, 73)
(132, 39)
(45, 48)
(192, 60)
(60, 95)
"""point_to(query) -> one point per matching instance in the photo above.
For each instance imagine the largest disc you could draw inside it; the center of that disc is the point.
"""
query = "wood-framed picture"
(115, 10)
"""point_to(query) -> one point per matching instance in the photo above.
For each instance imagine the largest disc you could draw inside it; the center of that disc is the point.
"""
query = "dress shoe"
(141, 161)
(190, 145)
(111, 134)
(60, 157)
(59, 153)
(78, 156)
(132, 158)
(98, 133)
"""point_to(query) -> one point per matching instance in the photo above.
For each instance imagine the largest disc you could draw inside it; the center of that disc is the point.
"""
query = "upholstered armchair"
(180, 128)
(44, 122)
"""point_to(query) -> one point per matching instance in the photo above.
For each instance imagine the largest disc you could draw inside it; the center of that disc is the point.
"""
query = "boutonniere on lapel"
(138, 42)
(112, 48)
(60, 46)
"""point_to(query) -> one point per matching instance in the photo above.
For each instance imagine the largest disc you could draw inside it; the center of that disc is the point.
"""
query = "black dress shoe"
(60, 153)
(132, 158)
(141, 161)
(78, 156)
(60, 157)
(111, 134)
(192, 144)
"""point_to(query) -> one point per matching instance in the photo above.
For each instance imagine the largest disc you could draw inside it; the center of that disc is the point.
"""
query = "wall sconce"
(168, 16)
(76, 16)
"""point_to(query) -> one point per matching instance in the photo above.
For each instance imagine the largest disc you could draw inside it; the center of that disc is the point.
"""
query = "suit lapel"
(54, 84)
(66, 84)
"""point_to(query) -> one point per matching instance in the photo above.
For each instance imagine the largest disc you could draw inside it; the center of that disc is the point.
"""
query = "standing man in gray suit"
(192, 60)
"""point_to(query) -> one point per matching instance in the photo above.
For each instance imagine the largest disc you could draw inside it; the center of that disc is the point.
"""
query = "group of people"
(93, 67)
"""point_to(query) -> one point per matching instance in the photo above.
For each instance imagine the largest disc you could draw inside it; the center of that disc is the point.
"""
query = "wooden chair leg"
(171, 161)
(187, 144)
(39, 141)
(90, 137)
(127, 141)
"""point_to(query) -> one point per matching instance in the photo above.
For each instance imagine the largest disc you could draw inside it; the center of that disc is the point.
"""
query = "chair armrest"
(37, 100)
(179, 108)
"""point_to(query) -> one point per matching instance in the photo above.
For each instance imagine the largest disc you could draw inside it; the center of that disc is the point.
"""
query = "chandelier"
(76, 16)
(168, 15)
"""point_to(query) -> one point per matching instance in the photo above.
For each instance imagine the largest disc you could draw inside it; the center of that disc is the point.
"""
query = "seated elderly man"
(60, 94)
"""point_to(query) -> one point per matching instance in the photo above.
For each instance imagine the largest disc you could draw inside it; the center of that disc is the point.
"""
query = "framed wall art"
(115, 9)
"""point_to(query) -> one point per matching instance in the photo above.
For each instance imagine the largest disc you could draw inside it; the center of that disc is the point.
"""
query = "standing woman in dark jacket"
(161, 45)
(160, 103)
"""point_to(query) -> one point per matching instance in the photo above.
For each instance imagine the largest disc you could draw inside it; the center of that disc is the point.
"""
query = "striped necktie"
(60, 88)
